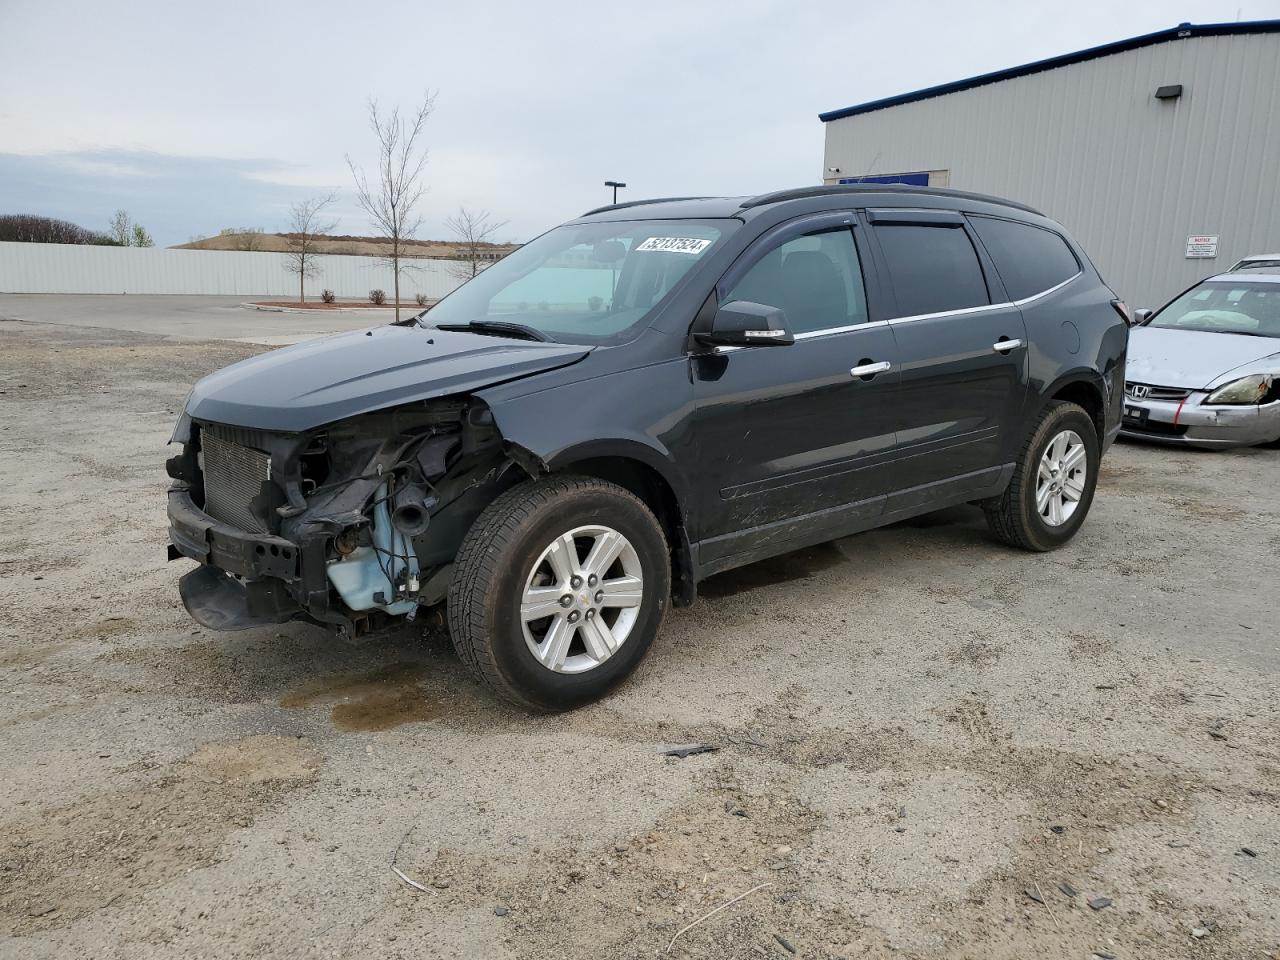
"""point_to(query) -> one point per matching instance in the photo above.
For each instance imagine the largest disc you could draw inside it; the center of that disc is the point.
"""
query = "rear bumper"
(1193, 423)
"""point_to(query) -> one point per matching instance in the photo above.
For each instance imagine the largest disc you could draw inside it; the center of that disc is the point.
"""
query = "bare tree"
(475, 232)
(305, 229)
(392, 200)
(121, 228)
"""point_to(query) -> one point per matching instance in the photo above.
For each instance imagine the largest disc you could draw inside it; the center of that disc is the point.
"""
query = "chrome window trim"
(848, 328)
(1045, 293)
(952, 313)
(988, 306)
(813, 334)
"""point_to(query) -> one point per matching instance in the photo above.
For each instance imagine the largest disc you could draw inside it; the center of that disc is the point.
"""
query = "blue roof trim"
(1179, 32)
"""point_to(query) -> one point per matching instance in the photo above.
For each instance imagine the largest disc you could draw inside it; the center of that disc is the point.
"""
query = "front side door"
(963, 351)
(789, 435)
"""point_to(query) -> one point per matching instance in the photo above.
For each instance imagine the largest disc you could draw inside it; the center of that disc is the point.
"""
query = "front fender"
(643, 414)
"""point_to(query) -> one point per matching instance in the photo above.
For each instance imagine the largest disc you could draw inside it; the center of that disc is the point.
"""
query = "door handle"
(870, 369)
(1004, 346)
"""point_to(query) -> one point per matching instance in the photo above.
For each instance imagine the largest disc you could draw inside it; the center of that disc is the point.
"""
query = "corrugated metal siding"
(1130, 176)
(67, 268)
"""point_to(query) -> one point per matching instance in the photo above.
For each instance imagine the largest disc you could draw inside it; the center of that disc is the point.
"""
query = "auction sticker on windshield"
(691, 245)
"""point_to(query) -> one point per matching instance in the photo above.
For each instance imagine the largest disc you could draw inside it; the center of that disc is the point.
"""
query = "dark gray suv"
(640, 398)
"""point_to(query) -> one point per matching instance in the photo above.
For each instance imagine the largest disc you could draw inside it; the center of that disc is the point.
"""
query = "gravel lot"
(188, 318)
(930, 746)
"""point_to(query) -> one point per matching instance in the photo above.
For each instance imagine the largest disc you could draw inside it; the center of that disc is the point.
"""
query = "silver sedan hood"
(1194, 359)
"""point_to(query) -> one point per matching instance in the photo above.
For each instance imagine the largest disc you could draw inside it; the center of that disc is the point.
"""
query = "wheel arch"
(632, 466)
(1085, 388)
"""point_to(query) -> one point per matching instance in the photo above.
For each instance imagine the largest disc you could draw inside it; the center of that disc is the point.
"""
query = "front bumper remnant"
(195, 534)
(245, 579)
(1194, 423)
(221, 602)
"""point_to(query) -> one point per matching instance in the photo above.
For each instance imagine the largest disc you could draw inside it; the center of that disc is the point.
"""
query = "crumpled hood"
(317, 382)
(1190, 358)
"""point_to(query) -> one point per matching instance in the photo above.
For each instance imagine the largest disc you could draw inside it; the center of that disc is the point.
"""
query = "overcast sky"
(198, 116)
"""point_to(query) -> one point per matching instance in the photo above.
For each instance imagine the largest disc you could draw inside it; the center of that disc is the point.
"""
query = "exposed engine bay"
(347, 525)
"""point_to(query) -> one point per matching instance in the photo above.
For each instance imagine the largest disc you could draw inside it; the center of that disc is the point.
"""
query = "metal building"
(1160, 153)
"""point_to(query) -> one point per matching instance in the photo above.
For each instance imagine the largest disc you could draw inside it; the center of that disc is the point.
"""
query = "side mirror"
(1142, 315)
(741, 323)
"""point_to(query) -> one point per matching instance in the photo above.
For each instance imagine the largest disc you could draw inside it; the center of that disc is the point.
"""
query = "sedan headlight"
(1250, 389)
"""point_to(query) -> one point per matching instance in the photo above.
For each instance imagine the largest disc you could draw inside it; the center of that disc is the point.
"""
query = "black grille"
(233, 477)
(1156, 393)
(1157, 428)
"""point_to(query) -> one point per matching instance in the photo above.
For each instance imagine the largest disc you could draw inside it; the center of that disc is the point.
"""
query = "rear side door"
(795, 441)
(963, 352)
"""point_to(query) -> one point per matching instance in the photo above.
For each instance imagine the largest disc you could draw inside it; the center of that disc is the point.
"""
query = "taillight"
(1122, 308)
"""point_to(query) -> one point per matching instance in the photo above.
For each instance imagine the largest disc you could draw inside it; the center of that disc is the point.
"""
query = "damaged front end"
(349, 525)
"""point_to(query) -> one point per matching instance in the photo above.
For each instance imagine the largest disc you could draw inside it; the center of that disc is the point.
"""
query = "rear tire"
(558, 591)
(1052, 488)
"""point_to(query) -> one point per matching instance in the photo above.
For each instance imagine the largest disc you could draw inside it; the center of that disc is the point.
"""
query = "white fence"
(72, 268)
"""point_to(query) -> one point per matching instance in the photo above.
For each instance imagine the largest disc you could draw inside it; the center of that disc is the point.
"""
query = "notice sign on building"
(1199, 248)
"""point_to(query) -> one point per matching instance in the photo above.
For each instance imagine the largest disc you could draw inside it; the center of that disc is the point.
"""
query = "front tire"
(558, 591)
(1053, 481)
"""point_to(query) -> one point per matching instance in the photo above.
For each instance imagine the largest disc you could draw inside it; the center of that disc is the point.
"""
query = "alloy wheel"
(1060, 480)
(581, 599)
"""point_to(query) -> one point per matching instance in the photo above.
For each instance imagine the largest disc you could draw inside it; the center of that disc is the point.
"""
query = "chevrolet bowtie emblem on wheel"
(1139, 391)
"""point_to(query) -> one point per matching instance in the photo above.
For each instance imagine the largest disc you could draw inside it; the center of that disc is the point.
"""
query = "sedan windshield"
(1237, 306)
(586, 283)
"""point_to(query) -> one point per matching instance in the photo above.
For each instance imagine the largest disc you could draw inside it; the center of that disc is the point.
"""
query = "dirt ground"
(929, 745)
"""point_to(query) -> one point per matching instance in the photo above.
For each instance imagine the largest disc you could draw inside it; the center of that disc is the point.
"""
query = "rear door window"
(934, 269)
(1029, 259)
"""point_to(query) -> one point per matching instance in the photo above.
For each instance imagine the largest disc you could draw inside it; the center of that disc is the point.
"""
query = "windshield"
(586, 283)
(1226, 307)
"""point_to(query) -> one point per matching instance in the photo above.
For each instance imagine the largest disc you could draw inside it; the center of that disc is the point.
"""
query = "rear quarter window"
(1029, 259)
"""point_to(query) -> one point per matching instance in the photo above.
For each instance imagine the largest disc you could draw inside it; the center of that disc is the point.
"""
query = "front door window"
(815, 280)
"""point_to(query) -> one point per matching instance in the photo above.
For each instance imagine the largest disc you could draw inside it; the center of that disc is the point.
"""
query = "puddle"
(775, 570)
(371, 700)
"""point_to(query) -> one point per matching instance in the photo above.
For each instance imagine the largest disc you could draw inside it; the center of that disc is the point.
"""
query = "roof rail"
(639, 203)
(835, 189)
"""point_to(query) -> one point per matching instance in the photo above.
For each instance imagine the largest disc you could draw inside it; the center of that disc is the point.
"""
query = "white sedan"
(1258, 261)
(1204, 370)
